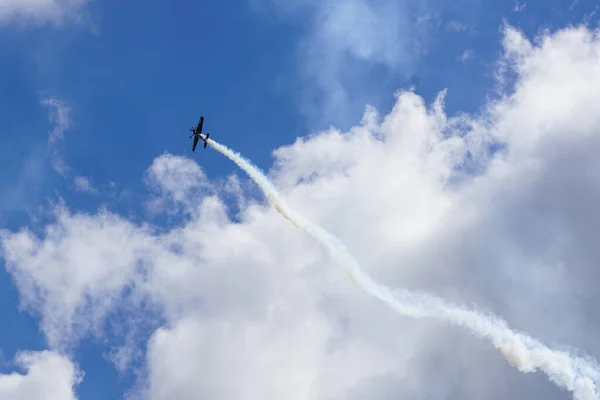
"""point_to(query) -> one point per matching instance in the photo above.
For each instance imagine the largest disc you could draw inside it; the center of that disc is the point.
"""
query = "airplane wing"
(195, 143)
(200, 123)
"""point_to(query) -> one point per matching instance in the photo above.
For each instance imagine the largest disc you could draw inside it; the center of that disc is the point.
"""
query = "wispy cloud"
(41, 11)
(466, 55)
(456, 26)
(519, 6)
(34, 168)
(84, 184)
(345, 41)
(60, 118)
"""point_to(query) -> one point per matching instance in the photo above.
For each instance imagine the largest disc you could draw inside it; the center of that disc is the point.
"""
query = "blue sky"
(263, 72)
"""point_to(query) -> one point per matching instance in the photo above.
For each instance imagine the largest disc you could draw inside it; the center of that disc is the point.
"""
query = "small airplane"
(197, 134)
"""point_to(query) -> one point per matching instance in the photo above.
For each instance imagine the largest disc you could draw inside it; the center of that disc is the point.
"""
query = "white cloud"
(49, 376)
(60, 118)
(84, 184)
(454, 25)
(466, 55)
(255, 309)
(177, 181)
(519, 6)
(289, 350)
(79, 270)
(345, 41)
(40, 11)
(34, 168)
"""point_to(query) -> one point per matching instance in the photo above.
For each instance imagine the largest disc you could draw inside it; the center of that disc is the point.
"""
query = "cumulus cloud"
(49, 376)
(76, 274)
(254, 308)
(39, 11)
(177, 181)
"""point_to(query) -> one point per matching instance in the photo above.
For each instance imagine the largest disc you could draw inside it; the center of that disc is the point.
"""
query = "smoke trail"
(569, 372)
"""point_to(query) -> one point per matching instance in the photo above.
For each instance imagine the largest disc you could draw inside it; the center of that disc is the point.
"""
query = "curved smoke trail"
(569, 372)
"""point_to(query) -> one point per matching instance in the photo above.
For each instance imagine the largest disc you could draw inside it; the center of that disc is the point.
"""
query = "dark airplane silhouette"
(197, 134)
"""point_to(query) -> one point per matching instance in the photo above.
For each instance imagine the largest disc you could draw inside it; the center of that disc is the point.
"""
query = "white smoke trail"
(569, 372)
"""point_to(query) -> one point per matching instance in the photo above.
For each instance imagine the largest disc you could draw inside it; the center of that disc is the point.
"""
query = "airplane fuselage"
(198, 135)
(201, 136)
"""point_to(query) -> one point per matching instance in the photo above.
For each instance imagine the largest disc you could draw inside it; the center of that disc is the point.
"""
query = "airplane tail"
(206, 141)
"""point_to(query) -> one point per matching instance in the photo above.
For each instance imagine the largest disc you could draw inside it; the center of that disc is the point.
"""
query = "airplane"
(197, 134)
